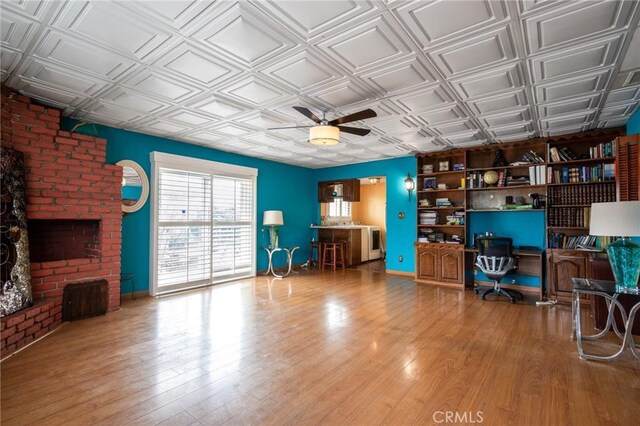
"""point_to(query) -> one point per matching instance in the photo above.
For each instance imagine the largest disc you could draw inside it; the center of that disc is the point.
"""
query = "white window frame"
(178, 162)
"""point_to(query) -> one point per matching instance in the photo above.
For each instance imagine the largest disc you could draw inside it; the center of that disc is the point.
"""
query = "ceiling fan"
(327, 132)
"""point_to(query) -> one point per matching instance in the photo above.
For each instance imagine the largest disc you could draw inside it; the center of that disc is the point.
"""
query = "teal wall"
(131, 192)
(633, 125)
(401, 233)
(280, 187)
(525, 228)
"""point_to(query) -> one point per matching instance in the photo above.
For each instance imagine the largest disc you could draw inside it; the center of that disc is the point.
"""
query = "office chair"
(495, 259)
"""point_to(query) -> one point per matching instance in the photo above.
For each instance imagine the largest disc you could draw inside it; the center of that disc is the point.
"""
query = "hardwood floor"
(354, 347)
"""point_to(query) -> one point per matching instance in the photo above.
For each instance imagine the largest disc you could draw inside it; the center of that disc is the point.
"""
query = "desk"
(530, 262)
(288, 250)
(610, 292)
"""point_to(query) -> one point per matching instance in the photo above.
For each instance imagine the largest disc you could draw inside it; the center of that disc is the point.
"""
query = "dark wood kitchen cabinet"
(347, 189)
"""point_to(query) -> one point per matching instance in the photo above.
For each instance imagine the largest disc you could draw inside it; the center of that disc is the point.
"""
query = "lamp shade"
(619, 219)
(272, 217)
(324, 135)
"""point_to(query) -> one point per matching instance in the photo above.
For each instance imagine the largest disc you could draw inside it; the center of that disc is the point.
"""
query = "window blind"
(205, 228)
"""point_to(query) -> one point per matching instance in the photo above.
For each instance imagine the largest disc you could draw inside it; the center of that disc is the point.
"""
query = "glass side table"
(271, 250)
(610, 291)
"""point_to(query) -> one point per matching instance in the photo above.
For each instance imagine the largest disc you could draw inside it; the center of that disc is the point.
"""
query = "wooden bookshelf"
(574, 199)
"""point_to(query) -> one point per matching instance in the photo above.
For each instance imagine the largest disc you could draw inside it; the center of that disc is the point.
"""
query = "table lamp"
(272, 219)
(619, 219)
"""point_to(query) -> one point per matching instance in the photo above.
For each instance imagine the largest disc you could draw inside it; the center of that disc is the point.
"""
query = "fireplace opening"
(62, 239)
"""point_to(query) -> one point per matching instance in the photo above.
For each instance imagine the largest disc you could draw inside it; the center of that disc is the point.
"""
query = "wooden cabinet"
(352, 239)
(562, 266)
(347, 189)
(427, 264)
(441, 264)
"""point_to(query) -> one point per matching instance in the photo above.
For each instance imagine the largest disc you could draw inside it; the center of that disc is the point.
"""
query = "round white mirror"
(135, 186)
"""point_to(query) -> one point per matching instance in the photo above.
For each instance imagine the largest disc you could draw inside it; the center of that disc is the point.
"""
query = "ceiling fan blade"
(354, 130)
(292, 127)
(360, 115)
(307, 113)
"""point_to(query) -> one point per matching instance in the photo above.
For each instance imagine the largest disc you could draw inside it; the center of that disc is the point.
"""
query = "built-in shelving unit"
(568, 187)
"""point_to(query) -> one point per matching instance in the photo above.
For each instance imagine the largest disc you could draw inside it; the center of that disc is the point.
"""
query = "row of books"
(564, 153)
(538, 175)
(597, 173)
(476, 180)
(571, 217)
(428, 217)
(582, 194)
(603, 150)
(560, 240)
(532, 157)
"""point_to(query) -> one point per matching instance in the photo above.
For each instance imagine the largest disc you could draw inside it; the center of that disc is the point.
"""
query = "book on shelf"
(554, 154)
(538, 175)
(569, 217)
(603, 150)
(594, 173)
(582, 194)
(532, 157)
(429, 183)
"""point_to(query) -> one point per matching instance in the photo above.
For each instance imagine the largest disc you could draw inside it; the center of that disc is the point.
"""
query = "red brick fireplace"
(74, 213)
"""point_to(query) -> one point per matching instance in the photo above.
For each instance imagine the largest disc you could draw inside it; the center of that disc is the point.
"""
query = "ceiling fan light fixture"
(324, 135)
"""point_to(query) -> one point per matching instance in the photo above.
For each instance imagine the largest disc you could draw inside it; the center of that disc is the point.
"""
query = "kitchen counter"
(351, 235)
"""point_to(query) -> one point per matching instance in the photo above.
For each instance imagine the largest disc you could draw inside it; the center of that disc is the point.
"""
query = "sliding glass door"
(204, 227)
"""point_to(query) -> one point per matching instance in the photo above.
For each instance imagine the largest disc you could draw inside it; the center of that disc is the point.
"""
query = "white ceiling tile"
(572, 87)
(452, 128)
(476, 53)
(569, 106)
(499, 133)
(218, 106)
(417, 101)
(50, 74)
(617, 111)
(174, 13)
(399, 77)
(133, 100)
(442, 115)
(576, 22)
(311, 18)
(48, 94)
(499, 103)
(303, 72)
(9, 59)
(155, 84)
(343, 95)
(626, 94)
(577, 59)
(32, 8)
(82, 56)
(353, 48)
(255, 91)
(244, 34)
(16, 30)
(506, 118)
(188, 118)
(199, 65)
(438, 21)
(109, 24)
(614, 122)
(490, 82)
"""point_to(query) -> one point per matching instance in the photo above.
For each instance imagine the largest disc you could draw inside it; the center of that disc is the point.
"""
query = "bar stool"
(330, 255)
(315, 245)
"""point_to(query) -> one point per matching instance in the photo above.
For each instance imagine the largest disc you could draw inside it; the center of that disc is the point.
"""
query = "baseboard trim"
(400, 273)
(137, 295)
